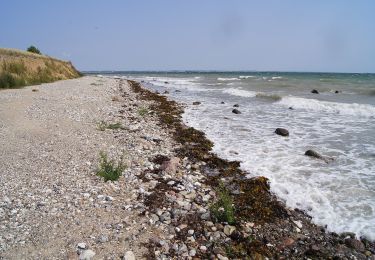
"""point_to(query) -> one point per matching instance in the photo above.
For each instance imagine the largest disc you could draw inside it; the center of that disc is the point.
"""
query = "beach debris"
(314, 91)
(282, 131)
(236, 111)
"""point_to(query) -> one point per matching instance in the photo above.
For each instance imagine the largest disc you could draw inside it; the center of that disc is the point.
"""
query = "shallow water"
(340, 194)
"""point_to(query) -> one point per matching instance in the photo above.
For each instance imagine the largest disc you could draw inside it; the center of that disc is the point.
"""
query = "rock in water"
(312, 153)
(196, 103)
(129, 255)
(315, 154)
(236, 105)
(282, 131)
(314, 91)
(236, 111)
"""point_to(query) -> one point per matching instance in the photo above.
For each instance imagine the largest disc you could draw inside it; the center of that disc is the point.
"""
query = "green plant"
(222, 210)
(33, 49)
(7, 80)
(143, 111)
(103, 126)
(109, 169)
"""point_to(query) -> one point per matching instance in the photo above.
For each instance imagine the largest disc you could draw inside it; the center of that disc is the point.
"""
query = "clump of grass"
(222, 210)
(143, 111)
(109, 169)
(104, 125)
(7, 80)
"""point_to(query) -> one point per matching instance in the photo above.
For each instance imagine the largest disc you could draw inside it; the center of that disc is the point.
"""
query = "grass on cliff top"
(20, 68)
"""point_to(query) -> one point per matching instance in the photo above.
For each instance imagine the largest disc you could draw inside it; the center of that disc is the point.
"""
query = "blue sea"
(339, 122)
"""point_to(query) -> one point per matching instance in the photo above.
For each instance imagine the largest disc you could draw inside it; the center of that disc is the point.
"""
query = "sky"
(264, 35)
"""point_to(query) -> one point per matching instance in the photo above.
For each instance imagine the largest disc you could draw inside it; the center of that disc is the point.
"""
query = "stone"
(203, 248)
(81, 246)
(192, 252)
(287, 242)
(314, 91)
(228, 230)
(103, 239)
(282, 131)
(297, 223)
(236, 111)
(196, 103)
(313, 153)
(236, 105)
(129, 255)
(355, 244)
(171, 165)
(87, 255)
(191, 232)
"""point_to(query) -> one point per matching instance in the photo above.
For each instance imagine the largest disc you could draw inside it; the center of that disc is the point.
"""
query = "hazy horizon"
(287, 36)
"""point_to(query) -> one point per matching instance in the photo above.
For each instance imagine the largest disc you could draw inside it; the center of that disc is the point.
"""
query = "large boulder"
(282, 131)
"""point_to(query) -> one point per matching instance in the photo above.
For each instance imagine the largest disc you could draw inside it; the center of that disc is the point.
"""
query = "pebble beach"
(53, 205)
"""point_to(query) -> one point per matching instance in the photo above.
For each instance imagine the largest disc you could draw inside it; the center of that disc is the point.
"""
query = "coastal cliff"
(21, 68)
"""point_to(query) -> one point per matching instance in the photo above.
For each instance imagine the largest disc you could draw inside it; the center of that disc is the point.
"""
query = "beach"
(174, 199)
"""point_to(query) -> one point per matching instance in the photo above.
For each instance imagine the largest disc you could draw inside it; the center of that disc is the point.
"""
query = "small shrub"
(103, 126)
(108, 169)
(7, 80)
(222, 210)
(33, 49)
(143, 111)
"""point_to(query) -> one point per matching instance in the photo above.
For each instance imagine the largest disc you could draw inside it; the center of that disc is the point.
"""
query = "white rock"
(81, 245)
(87, 255)
(228, 230)
(298, 223)
(129, 255)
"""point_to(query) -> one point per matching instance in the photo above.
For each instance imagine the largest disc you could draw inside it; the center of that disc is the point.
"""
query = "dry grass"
(21, 68)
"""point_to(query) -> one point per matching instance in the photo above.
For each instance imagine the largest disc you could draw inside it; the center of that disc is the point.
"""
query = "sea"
(338, 123)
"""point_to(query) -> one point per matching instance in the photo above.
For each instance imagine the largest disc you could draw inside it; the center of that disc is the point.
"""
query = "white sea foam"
(246, 77)
(354, 109)
(277, 77)
(227, 79)
(239, 92)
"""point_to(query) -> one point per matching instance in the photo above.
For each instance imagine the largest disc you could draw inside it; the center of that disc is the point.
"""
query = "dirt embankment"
(21, 68)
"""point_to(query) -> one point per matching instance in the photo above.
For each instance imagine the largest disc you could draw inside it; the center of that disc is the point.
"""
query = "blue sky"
(319, 35)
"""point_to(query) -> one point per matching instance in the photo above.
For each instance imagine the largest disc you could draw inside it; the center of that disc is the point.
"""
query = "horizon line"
(214, 71)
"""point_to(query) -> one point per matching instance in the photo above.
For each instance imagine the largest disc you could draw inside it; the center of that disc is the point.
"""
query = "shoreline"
(166, 203)
(256, 205)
